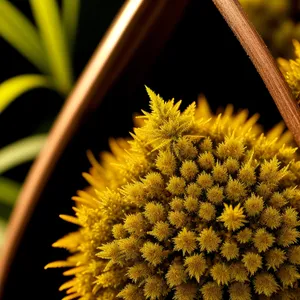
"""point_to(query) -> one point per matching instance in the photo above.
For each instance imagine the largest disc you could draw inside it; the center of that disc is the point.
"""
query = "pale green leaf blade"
(17, 30)
(70, 15)
(21, 151)
(14, 87)
(9, 191)
(47, 16)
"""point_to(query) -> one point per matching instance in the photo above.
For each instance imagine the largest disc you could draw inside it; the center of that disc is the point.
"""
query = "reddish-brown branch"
(263, 61)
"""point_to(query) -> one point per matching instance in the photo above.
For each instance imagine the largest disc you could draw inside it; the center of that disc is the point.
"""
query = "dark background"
(201, 56)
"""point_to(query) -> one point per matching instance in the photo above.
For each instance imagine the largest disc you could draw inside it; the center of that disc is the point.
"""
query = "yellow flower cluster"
(195, 206)
(291, 71)
(274, 20)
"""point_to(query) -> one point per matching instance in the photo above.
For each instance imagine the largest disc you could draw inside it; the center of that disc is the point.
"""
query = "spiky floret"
(194, 206)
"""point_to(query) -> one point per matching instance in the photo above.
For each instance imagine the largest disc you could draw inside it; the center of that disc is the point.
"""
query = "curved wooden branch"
(263, 61)
(113, 54)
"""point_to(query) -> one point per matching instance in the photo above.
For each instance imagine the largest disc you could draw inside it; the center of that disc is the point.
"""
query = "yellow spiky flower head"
(291, 70)
(195, 206)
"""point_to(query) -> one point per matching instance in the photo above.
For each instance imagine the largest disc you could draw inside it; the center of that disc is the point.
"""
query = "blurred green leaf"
(3, 225)
(14, 87)
(21, 151)
(48, 19)
(9, 191)
(22, 35)
(70, 15)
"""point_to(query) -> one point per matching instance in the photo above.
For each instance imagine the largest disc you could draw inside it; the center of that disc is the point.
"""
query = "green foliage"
(2, 232)
(53, 38)
(70, 14)
(13, 155)
(21, 151)
(9, 191)
(14, 87)
(22, 35)
(49, 46)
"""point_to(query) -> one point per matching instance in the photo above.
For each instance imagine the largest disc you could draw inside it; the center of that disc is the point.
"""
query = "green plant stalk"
(48, 19)
(22, 35)
(14, 87)
(70, 16)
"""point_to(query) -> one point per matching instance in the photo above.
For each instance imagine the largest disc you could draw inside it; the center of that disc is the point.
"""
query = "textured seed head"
(185, 241)
(265, 284)
(229, 250)
(244, 235)
(176, 185)
(155, 287)
(194, 206)
(161, 231)
(207, 211)
(196, 266)
(209, 240)
(271, 218)
(205, 180)
(166, 162)
(188, 170)
(191, 204)
(254, 205)
(288, 275)
(238, 272)
(220, 173)
(155, 212)
(263, 240)
(211, 291)
(176, 274)
(252, 262)
(232, 218)
(274, 258)
(240, 291)
(153, 253)
(220, 273)
(215, 194)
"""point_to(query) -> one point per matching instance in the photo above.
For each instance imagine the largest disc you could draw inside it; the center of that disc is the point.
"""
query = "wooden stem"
(263, 61)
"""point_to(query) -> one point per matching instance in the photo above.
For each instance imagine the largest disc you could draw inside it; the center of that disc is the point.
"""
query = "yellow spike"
(74, 271)
(70, 219)
(69, 241)
(228, 112)
(203, 109)
(92, 180)
(117, 146)
(86, 195)
(93, 161)
(276, 131)
(70, 297)
(86, 202)
(250, 122)
(240, 118)
(285, 138)
(67, 285)
(165, 143)
(71, 290)
(60, 264)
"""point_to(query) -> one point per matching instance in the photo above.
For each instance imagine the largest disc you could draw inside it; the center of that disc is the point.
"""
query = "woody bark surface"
(263, 61)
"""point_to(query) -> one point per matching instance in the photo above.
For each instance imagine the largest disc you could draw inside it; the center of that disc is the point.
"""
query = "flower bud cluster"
(214, 216)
